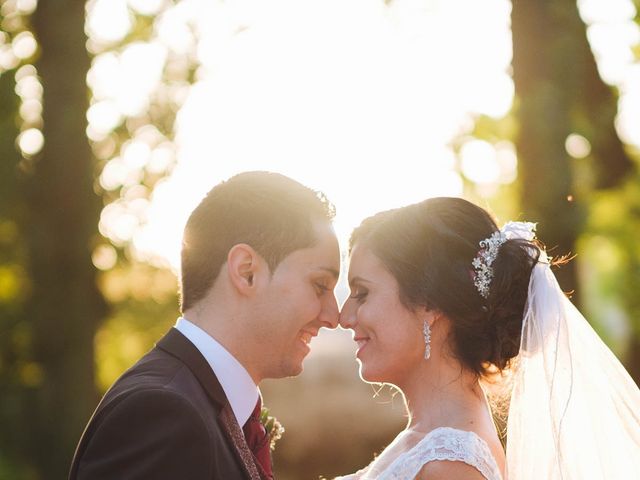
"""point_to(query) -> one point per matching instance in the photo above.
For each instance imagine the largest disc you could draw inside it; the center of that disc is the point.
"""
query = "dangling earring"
(426, 331)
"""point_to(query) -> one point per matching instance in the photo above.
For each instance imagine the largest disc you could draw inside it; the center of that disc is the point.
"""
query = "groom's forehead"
(323, 257)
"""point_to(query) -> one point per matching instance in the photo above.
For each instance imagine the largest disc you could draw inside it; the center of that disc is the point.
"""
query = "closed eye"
(321, 288)
(359, 294)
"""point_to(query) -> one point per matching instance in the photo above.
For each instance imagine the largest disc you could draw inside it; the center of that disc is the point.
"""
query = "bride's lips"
(361, 342)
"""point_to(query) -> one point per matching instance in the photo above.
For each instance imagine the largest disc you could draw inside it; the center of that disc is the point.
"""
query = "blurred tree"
(612, 278)
(20, 142)
(13, 281)
(50, 204)
(60, 230)
(559, 93)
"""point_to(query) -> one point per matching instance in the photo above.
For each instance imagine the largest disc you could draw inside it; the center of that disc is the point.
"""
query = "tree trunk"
(559, 92)
(541, 72)
(66, 306)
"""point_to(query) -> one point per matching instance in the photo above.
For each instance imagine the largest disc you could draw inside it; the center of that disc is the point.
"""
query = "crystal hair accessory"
(482, 263)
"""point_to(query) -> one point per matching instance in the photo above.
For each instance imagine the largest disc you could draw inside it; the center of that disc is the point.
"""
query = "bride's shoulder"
(445, 470)
(452, 453)
(449, 439)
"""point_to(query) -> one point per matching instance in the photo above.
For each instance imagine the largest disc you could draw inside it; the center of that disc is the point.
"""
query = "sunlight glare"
(31, 110)
(31, 141)
(577, 146)
(507, 160)
(104, 257)
(135, 154)
(118, 223)
(146, 7)
(113, 174)
(28, 86)
(628, 118)
(124, 83)
(612, 45)
(363, 114)
(140, 70)
(24, 45)
(26, 7)
(103, 117)
(108, 21)
(173, 28)
(479, 162)
(162, 157)
(607, 11)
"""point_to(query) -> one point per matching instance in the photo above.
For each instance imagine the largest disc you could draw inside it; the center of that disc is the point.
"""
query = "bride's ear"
(429, 315)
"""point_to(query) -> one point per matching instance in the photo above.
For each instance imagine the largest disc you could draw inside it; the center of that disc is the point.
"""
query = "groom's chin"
(295, 370)
(290, 368)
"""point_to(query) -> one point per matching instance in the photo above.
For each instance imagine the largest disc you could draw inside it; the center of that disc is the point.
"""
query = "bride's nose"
(347, 317)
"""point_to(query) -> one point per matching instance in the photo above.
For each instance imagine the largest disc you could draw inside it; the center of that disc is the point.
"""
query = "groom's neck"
(229, 329)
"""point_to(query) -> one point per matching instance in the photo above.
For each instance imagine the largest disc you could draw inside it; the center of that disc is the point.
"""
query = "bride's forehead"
(363, 259)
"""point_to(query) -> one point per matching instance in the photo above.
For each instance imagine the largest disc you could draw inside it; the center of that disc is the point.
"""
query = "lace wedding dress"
(443, 443)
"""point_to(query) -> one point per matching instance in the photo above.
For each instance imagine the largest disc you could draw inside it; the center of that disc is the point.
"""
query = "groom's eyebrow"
(334, 273)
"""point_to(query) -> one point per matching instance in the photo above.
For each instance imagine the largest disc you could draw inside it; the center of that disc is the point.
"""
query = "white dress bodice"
(443, 443)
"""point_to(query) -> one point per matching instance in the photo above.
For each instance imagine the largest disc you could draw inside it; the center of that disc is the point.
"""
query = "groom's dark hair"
(268, 211)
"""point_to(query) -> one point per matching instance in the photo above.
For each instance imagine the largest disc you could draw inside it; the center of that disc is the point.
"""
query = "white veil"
(575, 411)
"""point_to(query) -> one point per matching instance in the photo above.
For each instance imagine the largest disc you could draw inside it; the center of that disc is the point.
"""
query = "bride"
(443, 304)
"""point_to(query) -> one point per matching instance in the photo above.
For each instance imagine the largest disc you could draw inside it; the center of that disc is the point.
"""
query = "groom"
(259, 264)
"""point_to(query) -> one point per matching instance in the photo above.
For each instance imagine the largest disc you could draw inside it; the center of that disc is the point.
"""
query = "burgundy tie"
(258, 440)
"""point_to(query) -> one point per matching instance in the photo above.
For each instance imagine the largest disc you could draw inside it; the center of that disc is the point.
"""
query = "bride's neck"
(442, 395)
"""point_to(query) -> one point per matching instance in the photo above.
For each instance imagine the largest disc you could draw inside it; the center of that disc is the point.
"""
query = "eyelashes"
(359, 295)
(321, 288)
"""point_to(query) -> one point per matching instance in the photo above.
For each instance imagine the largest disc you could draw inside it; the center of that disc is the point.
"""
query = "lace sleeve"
(444, 444)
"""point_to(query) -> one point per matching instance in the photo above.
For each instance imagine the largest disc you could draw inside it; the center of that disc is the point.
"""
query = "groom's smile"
(306, 337)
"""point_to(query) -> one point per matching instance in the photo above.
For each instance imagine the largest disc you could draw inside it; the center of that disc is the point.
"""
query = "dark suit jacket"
(166, 418)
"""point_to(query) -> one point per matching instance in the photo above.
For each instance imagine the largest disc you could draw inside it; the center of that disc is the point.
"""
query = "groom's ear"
(243, 266)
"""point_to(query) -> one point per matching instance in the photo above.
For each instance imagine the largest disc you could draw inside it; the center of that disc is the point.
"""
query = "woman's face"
(389, 335)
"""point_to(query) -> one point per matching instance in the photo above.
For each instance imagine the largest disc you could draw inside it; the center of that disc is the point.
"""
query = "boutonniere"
(273, 427)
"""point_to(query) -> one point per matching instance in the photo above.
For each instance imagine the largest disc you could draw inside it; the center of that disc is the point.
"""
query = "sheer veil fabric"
(574, 411)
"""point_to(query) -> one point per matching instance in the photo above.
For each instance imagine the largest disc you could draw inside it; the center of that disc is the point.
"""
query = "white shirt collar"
(236, 382)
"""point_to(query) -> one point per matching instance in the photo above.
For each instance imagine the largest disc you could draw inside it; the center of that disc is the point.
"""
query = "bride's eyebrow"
(355, 280)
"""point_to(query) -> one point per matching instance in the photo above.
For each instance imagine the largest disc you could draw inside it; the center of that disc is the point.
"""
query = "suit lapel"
(179, 346)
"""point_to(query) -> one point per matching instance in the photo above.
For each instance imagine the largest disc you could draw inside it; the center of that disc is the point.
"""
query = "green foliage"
(9, 470)
(613, 255)
(18, 373)
(144, 306)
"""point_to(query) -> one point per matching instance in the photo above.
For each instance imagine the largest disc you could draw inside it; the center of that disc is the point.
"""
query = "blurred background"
(117, 116)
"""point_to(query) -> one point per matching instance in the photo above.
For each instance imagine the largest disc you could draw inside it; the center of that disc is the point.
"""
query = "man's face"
(297, 302)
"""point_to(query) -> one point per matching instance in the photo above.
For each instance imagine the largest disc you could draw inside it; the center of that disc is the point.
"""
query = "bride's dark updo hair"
(428, 247)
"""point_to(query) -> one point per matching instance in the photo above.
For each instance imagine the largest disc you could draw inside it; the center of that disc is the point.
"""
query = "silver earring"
(426, 331)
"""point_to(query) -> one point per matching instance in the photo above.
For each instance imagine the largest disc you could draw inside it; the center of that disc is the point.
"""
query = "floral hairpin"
(482, 263)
